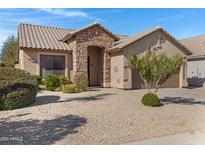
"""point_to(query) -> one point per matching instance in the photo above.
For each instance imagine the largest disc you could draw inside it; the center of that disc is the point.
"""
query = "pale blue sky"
(181, 23)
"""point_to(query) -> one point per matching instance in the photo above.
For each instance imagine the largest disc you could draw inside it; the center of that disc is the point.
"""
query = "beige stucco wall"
(20, 60)
(117, 70)
(29, 60)
(166, 45)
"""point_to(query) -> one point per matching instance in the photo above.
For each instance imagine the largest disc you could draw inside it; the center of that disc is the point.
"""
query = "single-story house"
(96, 51)
(196, 62)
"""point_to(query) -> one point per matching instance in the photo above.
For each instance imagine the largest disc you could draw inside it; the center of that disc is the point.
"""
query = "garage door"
(137, 83)
(196, 72)
(172, 82)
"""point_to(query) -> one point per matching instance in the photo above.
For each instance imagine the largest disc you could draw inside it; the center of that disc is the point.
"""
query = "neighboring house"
(96, 51)
(196, 62)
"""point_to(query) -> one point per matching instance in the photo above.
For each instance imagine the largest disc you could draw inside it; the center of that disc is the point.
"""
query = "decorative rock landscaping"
(102, 116)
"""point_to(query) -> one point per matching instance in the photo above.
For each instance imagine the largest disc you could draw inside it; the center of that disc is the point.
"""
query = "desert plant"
(81, 81)
(62, 79)
(38, 79)
(9, 52)
(70, 88)
(151, 99)
(17, 88)
(155, 69)
(52, 82)
(78, 89)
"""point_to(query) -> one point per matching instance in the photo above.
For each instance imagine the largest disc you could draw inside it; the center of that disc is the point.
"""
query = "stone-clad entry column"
(96, 37)
(106, 70)
(80, 59)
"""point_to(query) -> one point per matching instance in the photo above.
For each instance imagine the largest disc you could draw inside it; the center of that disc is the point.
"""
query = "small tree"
(155, 69)
(9, 51)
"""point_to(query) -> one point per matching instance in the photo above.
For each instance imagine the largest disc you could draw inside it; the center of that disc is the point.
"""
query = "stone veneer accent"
(93, 36)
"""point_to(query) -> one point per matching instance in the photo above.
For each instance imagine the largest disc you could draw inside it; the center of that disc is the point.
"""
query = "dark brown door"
(136, 80)
(137, 83)
(94, 66)
(172, 82)
(88, 70)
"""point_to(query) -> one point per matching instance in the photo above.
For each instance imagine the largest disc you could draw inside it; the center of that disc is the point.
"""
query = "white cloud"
(110, 11)
(70, 13)
(188, 32)
(174, 17)
(66, 13)
(33, 20)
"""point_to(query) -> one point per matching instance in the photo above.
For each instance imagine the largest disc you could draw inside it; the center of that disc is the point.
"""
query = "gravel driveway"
(102, 116)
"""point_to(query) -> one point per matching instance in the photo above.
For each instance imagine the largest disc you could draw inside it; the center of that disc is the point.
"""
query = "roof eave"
(195, 57)
(114, 50)
(138, 39)
(46, 49)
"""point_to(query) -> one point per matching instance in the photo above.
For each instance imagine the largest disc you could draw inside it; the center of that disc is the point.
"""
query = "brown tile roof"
(42, 37)
(196, 44)
(125, 41)
(122, 36)
(130, 39)
(89, 26)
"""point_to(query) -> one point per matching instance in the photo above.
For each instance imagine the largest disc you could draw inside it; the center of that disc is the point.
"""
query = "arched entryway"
(95, 66)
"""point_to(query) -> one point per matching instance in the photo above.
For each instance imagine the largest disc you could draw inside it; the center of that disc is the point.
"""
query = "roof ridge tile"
(47, 26)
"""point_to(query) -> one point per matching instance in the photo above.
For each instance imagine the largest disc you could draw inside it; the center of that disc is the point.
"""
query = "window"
(52, 64)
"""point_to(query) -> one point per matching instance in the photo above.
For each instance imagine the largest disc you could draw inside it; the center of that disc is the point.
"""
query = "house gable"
(159, 41)
(92, 26)
(129, 41)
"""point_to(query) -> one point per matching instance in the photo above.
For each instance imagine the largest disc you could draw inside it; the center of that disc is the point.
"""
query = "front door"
(94, 66)
(88, 70)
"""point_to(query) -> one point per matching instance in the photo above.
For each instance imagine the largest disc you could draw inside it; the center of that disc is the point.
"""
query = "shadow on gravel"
(181, 100)
(39, 132)
(88, 98)
(41, 100)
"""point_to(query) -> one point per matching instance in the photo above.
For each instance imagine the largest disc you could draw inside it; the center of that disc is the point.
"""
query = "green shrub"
(52, 82)
(17, 88)
(150, 99)
(70, 88)
(62, 79)
(78, 90)
(38, 79)
(16, 99)
(81, 81)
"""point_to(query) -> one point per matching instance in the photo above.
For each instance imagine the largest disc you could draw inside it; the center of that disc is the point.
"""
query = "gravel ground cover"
(102, 116)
